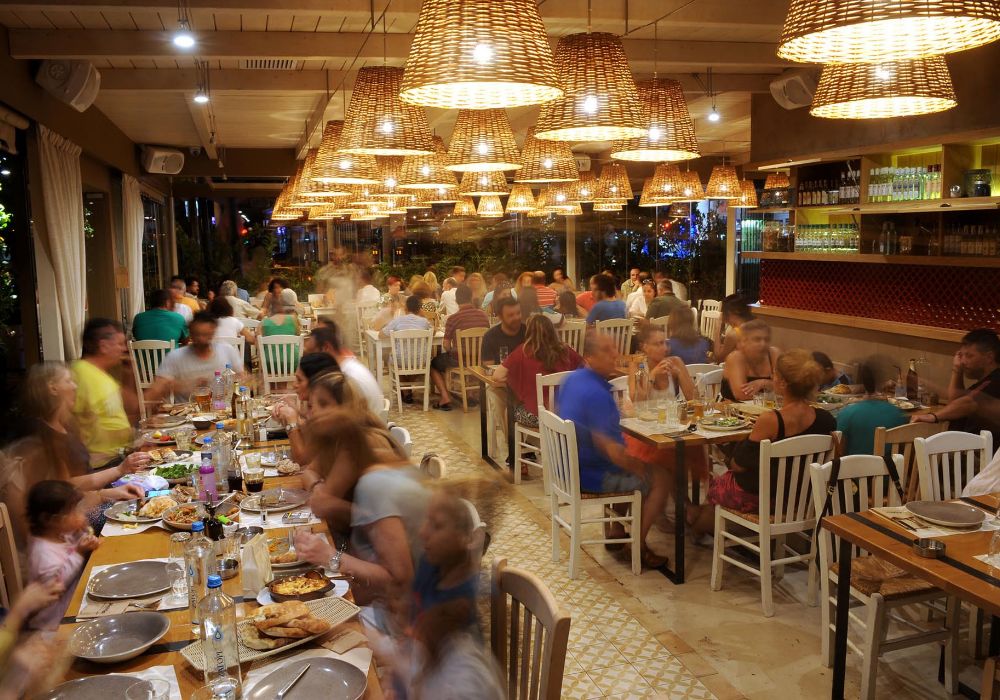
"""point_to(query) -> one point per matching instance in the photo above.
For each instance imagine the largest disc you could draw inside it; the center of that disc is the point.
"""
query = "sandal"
(651, 560)
(441, 406)
(615, 533)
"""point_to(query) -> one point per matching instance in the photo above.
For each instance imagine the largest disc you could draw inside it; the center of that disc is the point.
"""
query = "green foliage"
(258, 245)
(486, 257)
(8, 290)
(213, 263)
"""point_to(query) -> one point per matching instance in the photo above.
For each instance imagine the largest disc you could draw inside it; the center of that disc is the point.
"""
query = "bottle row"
(845, 190)
(891, 184)
(956, 241)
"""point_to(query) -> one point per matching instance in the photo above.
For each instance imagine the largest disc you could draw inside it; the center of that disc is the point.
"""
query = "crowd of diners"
(410, 545)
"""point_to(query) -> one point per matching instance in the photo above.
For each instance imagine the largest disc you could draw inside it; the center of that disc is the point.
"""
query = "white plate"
(339, 590)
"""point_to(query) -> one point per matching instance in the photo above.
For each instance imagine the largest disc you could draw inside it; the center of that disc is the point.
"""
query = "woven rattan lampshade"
(777, 181)
(613, 184)
(388, 168)
(324, 213)
(571, 209)
(878, 91)
(747, 198)
(490, 207)
(650, 197)
(872, 31)
(464, 207)
(482, 140)
(477, 54)
(556, 196)
(521, 199)
(297, 198)
(670, 132)
(482, 184)
(441, 195)
(723, 183)
(546, 161)
(666, 181)
(585, 188)
(429, 171)
(395, 205)
(378, 123)
(342, 168)
(601, 102)
(691, 189)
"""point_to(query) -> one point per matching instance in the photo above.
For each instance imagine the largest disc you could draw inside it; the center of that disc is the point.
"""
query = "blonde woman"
(431, 280)
(478, 286)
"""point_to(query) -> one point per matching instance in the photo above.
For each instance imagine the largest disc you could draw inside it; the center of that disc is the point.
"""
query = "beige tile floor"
(635, 636)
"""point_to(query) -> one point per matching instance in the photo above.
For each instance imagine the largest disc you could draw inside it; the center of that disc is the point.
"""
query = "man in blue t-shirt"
(585, 398)
(858, 421)
(607, 307)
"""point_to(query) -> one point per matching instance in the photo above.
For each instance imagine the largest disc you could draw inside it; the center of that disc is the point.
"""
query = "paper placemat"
(985, 558)
(359, 657)
(930, 530)
(97, 607)
(649, 428)
(113, 528)
(249, 519)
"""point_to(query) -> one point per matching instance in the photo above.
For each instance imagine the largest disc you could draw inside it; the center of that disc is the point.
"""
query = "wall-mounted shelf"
(869, 258)
(913, 207)
(871, 324)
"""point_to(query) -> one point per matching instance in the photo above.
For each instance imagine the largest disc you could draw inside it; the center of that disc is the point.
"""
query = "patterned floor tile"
(618, 679)
(579, 686)
(663, 671)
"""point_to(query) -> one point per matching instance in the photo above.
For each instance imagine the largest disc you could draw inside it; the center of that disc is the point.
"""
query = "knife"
(283, 691)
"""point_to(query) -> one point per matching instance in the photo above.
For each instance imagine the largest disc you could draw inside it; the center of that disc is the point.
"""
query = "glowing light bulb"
(183, 38)
(560, 197)
(200, 97)
(589, 104)
(388, 127)
(390, 182)
(614, 189)
(585, 192)
(714, 115)
(883, 73)
(425, 170)
(655, 133)
(484, 180)
(484, 148)
(345, 163)
(547, 162)
(482, 54)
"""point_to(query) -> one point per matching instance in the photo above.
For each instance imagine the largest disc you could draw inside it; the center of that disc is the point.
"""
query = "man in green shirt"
(665, 301)
(160, 322)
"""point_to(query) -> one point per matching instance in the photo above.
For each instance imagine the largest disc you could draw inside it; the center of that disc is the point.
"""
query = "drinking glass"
(154, 689)
(219, 689)
(253, 479)
(251, 460)
(184, 437)
(178, 543)
(178, 585)
(203, 397)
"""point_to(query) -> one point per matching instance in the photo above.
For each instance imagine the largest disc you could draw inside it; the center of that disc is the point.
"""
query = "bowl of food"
(181, 517)
(203, 421)
(310, 585)
(177, 473)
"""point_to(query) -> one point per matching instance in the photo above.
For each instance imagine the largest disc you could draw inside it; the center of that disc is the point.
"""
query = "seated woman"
(229, 326)
(796, 378)
(859, 420)
(750, 369)
(282, 321)
(637, 304)
(735, 312)
(566, 306)
(478, 286)
(311, 366)
(527, 297)
(685, 340)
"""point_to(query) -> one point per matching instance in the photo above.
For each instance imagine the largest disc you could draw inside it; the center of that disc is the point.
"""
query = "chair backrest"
(711, 323)
(402, 437)
(620, 329)
(571, 332)
(899, 441)
(546, 388)
(661, 322)
(469, 344)
(316, 300)
(251, 323)
(862, 483)
(386, 407)
(561, 455)
(791, 457)
(700, 368)
(709, 384)
(410, 351)
(10, 565)
(948, 461)
(279, 357)
(480, 539)
(528, 633)
(146, 358)
(238, 343)
(680, 290)
(710, 305)
(619, 389)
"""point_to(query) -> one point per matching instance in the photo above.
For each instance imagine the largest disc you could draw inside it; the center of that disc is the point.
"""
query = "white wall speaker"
(162, 161)
(795, 88)
(74, 82)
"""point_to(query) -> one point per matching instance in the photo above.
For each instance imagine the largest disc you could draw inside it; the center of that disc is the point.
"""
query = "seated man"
(182, 371)
(858, 421)
(605, 467)
(467, 316)
(665, 302)
(411, 320)
(160, 321)
(546, 295)
(606, 306)
(326, 338)
(831, 376)
(368, 293)
(977, 407)
(449, 304)
(181, 302)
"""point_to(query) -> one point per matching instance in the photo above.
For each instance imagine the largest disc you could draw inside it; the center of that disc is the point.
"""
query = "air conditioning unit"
(795, 88)
(74, 82)
(582, 161)
(162, 161)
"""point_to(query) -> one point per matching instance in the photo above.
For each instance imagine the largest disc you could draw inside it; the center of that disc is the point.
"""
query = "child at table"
(59, 540)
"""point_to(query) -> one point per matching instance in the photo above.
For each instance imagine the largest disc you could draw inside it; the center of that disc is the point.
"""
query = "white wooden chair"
(238, 343)
(410, 363)
(468, 343)
(620, 329)
(279, 358)
(529, 634)
(948, 461)
(710, 305)
(899, 441)
(10, 564)
(862, 483)
(709, 384)
(571, 332)
(146, 358)
(662, 322)
(792, 513)
(560, 446)
(700, 368)
(619, 390)
(530, 439)
(364, 314)
(680, 290)
(546, 388)
(386, 407)
(402, 437)
(711, 324)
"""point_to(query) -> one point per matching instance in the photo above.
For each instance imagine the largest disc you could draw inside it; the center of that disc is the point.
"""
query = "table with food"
(196, 590)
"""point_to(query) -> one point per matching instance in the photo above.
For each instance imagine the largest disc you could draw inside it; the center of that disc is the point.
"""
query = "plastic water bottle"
(218, 637)
(199, 557)
(642, 382)
(218, 392)
(221, 456)
(207, 485)
(229, 383)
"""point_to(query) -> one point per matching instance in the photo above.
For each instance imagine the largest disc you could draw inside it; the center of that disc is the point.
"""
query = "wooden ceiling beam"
(242, 162)
(200, 118)
(331, 7)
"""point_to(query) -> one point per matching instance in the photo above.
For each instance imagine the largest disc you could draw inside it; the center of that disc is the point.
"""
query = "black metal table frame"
(484, 429)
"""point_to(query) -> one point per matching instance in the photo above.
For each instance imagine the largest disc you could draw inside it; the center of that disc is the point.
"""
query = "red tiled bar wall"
(942, 297)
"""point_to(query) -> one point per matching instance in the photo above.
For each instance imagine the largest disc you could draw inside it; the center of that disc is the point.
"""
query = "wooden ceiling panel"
(226, 21)
(119, 19)
(157, 118)
(34, 19)
(253, 21)
(146, 20)
(330, 23)
(253, 121)
(279, 21)
(11, 19)
(305, 22)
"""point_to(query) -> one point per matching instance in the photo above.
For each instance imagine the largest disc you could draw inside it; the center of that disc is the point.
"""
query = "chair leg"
(465, 392)
(717, 548)
(554, 508)
(975, 632)
(399, 396)
(812, 582)
(766, 575)
(826, 615)
(574, 542)
(990, 690)
(779, 550)
(517, 454)
(636, 537)
(546, 483)
(874, 632)
(427, 393)
(951, 621)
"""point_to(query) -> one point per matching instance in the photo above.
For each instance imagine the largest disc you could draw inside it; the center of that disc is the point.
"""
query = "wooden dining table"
(153, 544)
(957, 573)
(484, 374)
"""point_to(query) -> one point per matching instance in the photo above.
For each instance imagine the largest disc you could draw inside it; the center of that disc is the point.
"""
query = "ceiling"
(278, 69)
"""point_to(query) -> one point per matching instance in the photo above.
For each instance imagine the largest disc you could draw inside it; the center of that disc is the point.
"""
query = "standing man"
(160, 322)
(547, 296)
(585, 398)
(326, 338)
(467, 316)
(458, 274)
(977, 407)
(182, 371)
(368, 293)
(448, 303)
(631, 284)
(100, 405)
(606, 306)
(664, 302)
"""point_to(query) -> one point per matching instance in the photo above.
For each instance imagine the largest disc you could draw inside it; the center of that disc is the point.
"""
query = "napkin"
(113, 528)
(359, 657)
(98, 607)
(343, 641)
(166, 673)
(255, 563)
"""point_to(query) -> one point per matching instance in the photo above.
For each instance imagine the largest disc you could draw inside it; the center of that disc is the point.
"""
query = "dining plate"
(713, 426)
(957, 515)
(339, 590)
(165, 420)
(114, 638)
(276, 500)
(119, 512)
(134, 579)
(327, 678)
(166, 438)
(92, 688)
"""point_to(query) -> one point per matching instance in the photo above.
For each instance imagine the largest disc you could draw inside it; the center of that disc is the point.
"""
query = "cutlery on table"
(288, 686)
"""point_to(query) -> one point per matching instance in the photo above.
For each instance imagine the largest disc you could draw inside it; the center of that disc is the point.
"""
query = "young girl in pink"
(60, 539)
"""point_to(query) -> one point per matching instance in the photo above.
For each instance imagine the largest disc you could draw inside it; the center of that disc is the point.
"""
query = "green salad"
(174, 471)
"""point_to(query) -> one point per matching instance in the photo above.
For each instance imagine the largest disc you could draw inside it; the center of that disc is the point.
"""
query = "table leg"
(485, 426)
(843, 608)
(676, 575)
(510, 431)
(377, 371)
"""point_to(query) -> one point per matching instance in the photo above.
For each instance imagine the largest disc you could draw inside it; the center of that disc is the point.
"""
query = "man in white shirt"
(184, 370)
(326, 338)
(241, 309)
(368, 293)
(177, 292)
(448, 303)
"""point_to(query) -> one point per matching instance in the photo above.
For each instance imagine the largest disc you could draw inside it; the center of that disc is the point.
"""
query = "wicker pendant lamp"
(483, 140)
(572, 209)
(650, 197)
(490, 207)
(427, 172)
(464, 207)
(298, 199)
(613, 185)
(478, 54)
(670, 132)
(777, 181)
(378, 123)
(601, 102)
(748, 196)
(666, 180)
(691, 188)
(442, 195)
(521, 199)
(873, 31)
(546, 161)
(556, 196)
(483, 184)
(417, 203)
(395, 205)
(882, 90)
(363, 195)
(389, 170)
(332, 166)
(538, 213)
(585, 188)
(324, 213)
(723, 183)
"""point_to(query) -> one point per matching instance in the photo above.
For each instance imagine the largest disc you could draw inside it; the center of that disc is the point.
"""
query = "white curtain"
(134, 225)
(62, 192)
